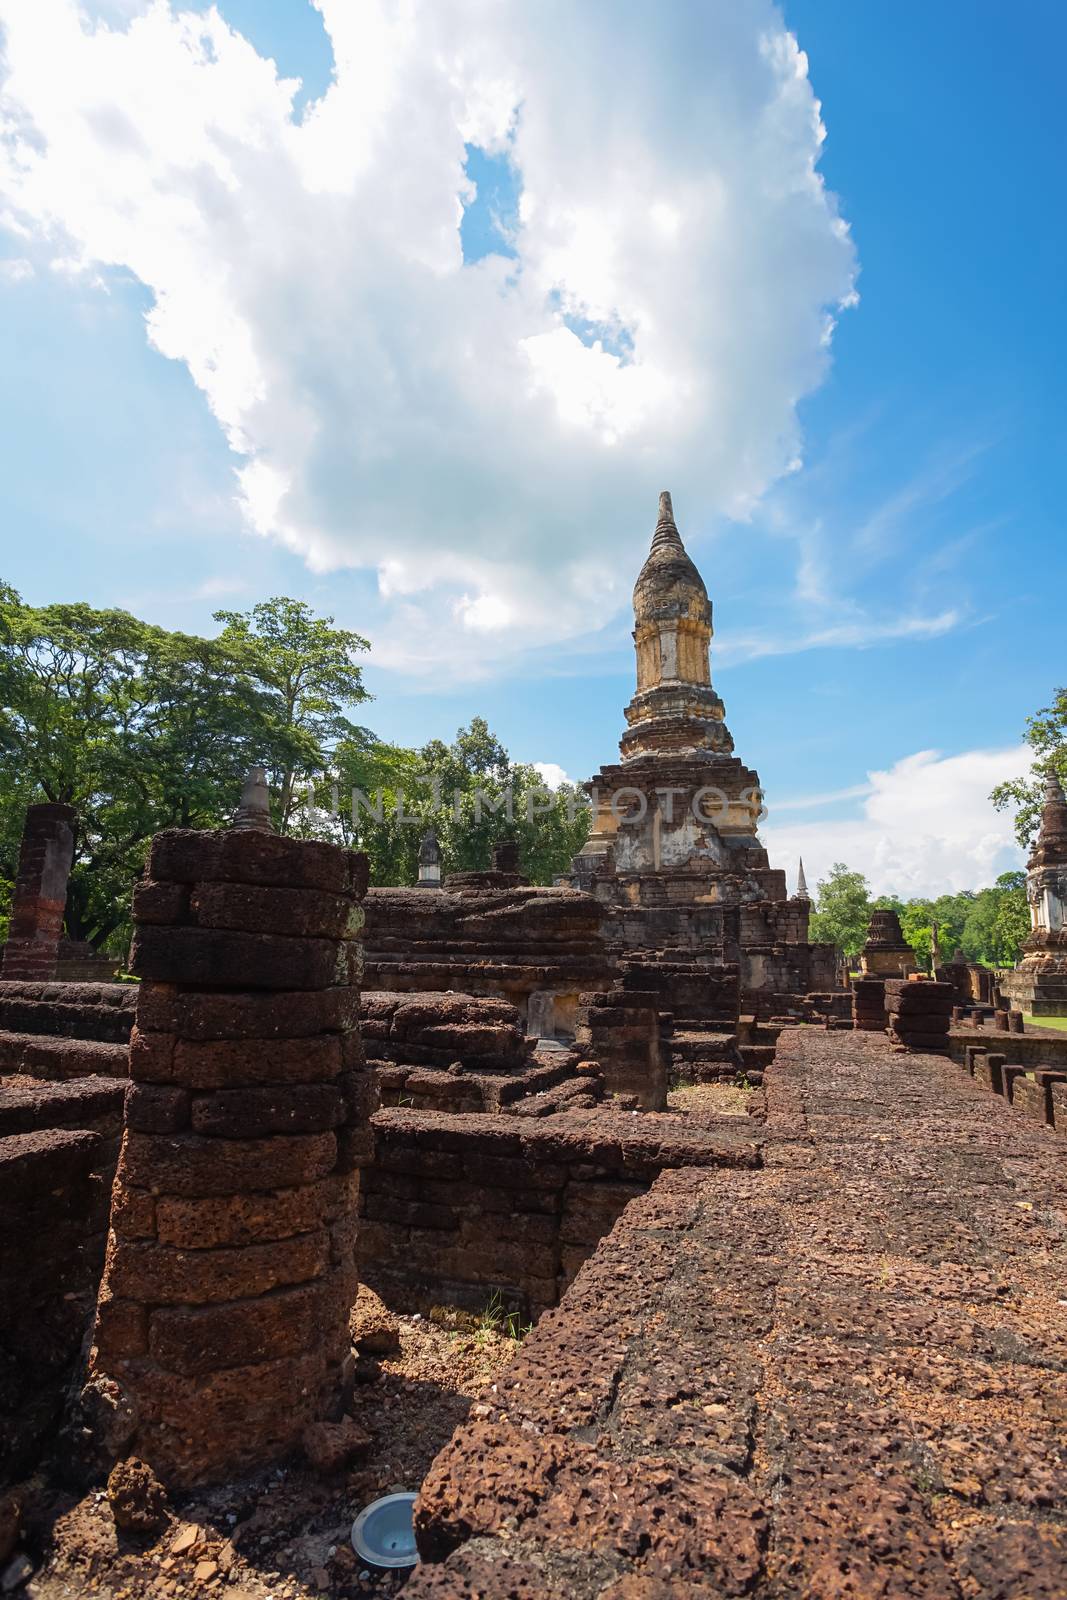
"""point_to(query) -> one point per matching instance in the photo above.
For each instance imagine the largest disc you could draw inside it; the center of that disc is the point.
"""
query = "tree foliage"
(307, 672)
(1046, 734)
(842, 909)
(140, 729)
(470, 792)
(988, 925)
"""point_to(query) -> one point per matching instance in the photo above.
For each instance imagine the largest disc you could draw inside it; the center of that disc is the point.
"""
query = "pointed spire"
(802, 882)
(1050, 847)
(253, 813)
(666, 528)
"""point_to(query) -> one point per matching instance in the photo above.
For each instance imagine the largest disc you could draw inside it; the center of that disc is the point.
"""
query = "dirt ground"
(285, 1534)
(715, 1099)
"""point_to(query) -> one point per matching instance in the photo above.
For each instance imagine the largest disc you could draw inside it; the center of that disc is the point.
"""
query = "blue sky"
(929, 497)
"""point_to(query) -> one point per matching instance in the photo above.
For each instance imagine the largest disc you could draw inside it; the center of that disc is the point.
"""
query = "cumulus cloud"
(551, 773)
(490, 436)
(927, 826)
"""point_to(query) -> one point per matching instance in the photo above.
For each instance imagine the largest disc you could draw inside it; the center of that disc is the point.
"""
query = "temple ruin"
(798, 1343)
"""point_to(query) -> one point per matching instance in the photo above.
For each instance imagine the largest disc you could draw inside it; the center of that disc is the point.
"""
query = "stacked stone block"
(620, 1029)
(868, 1005)
(919, 1013)
(221, 1322)
(40, 896)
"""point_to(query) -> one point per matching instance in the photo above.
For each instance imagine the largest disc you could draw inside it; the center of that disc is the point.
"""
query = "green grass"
(1046, 1022)
(497, 1320)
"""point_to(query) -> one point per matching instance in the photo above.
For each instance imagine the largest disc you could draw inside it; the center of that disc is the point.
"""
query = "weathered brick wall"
(55, 1185)
(222, 1315)
(514, 942)
(434, 1030)
(455, 1208)
(1036, 1090)
(1030, 1049)
(40, 895)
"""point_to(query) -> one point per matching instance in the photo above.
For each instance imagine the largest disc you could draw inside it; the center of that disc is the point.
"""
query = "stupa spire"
(802, 882)
(666, 527)
(1050, 846)
(675, 707)
(253, 812)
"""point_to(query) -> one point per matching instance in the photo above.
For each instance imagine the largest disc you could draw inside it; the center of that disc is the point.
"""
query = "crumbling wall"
(919, 1013)
(456, 1208)
(222, 1315)
(513, 942)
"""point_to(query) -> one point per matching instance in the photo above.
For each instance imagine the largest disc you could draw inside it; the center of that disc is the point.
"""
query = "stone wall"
(222, 1315)
(919, 1013)
(456, 1208)
(461, 1052)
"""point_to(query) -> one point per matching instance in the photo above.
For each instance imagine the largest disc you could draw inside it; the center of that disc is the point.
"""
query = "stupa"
(1039, 983)
(673, 851)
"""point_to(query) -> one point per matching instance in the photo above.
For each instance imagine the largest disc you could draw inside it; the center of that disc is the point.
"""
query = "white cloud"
(16, 269)
(859, 632)
(390, 407)
(552, 774)
(927, 826)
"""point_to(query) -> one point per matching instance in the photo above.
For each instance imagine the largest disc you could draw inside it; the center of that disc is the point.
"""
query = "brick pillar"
(621, 1030)
(40, 896)
(868, 1005)
(223, 1312)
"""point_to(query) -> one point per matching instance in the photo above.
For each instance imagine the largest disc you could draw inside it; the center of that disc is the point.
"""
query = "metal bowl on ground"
(384, 1535)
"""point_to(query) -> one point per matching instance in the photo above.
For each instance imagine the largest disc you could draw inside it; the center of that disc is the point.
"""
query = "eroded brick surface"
(222, 1318)
(844, 1374)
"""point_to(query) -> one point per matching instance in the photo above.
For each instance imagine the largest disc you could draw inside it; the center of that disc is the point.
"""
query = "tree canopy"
(842, 909)
(988, 925)
(1046, 734)
(140, 729)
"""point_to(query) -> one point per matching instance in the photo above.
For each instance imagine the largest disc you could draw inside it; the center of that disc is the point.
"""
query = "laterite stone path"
(843, 1374)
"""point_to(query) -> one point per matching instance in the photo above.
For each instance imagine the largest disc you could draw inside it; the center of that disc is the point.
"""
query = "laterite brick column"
(920, 1013)
(40, 896)
(621, 1030)
(868, 1005)
(222, 1316)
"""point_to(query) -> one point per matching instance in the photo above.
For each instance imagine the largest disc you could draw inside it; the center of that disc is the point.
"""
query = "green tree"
(307, 670)
(138, 729)
(842, 909)
(469, 791)
(1046, 734)
(998, 922)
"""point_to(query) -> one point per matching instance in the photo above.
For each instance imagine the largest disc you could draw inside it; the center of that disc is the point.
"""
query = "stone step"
(37, 1055)
(757, 1056)
(703, 1046)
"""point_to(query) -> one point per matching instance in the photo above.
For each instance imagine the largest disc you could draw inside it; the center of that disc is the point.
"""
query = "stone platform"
(842, 1374)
